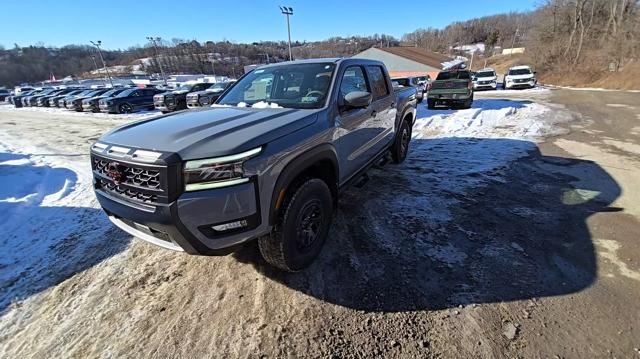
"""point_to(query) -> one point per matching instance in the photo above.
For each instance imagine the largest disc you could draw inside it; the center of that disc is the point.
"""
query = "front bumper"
(193, 103)
(108, 108)
(74, 106)
(490, 86)
(186, 223)
(87, 107)
(164, 106)
(515, 85)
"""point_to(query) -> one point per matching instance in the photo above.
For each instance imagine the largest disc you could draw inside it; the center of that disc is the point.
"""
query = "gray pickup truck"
(267, 162)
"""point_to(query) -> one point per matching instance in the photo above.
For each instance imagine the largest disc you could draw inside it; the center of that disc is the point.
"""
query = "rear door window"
(378, 82)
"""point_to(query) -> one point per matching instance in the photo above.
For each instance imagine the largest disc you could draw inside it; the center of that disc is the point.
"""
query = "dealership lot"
(510, 230)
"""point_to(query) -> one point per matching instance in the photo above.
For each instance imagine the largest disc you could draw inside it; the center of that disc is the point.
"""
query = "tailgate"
(450, 86)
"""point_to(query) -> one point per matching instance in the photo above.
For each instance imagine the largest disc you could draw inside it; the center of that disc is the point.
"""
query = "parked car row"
(516, 78)
(122, 99)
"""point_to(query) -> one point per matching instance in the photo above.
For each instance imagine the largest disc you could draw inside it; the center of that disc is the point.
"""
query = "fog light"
(229, 226)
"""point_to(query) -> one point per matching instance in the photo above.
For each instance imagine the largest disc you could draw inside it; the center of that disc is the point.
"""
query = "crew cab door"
(358, 133)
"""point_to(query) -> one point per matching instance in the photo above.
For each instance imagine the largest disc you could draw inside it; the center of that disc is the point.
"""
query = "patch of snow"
(263, 104)
(134, 116)
(489, 118)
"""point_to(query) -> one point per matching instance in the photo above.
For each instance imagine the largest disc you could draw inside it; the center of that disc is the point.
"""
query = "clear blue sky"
(120, 23)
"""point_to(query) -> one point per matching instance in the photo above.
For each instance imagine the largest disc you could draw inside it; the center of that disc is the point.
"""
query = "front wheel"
(125, 108)
(304, 224)
(431, 104)
(400, 146)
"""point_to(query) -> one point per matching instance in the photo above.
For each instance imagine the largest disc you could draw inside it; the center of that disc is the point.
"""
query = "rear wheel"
(304, 224)
(125, 108)
(400, 146)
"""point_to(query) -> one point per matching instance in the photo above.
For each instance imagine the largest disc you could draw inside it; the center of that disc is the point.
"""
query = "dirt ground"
(535, 258)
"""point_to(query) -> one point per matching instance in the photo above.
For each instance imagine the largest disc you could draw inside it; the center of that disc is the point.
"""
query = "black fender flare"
(297, 166)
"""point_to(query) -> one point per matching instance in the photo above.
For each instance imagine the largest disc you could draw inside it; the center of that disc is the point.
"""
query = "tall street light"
(154, 41)
(97, 45)
(95, 64)
(288, 11)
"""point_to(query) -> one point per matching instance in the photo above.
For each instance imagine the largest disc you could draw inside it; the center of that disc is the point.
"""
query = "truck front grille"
(139, 177)
(137, 182)
(129, 193)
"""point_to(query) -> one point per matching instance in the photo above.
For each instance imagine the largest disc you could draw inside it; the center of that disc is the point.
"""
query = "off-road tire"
(400, 146)
(281, 247)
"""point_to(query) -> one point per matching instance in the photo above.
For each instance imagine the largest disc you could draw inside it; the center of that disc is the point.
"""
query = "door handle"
(374, 114)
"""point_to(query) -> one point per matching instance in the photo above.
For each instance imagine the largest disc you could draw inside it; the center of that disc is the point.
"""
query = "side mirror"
(357, 99)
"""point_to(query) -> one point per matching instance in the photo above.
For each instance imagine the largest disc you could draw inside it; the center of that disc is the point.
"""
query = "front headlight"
(216, 172)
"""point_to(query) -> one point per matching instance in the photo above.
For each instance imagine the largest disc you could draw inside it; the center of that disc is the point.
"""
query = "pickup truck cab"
(177, 99)
(485, 79)
(519, 77)
(266, 163)
(452, 88)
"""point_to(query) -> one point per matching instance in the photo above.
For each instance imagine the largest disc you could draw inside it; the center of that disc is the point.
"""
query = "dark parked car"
(267, 165)
(55, 100)
(451, 89)
(92, 103)
(208, 96)
(129, 101)
(33, 100)
(76, 103)
(4, 94)
(62, 103)
(44, 101)
(177, 99)
(17, 100)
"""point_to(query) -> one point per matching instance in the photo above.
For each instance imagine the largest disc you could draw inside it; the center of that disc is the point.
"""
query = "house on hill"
(410, 61)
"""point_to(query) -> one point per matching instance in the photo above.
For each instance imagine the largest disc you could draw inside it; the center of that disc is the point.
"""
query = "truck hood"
(210, 132)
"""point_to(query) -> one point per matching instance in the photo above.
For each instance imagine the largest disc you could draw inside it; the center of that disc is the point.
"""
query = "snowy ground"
(73, 285)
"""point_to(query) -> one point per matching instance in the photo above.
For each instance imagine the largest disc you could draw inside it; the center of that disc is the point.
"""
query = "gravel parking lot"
(510, 231)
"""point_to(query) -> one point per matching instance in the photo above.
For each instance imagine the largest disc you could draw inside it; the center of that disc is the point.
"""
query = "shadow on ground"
(462, 221)
(43, 245)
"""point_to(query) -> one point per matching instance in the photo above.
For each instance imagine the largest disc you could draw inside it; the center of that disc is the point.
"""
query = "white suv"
(485, 79)
(520, 77)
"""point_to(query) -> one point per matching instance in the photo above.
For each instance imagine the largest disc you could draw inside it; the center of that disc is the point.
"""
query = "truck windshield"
(519, 72)
(485, 74)
(291, 86)
(453, 75)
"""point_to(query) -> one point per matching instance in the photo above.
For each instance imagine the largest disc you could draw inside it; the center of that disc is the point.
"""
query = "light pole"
(154, 41)
(97, 45)
(288, 11)
(95, 64)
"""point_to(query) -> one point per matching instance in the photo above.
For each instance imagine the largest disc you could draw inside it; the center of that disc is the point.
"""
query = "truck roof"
(323, 60)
